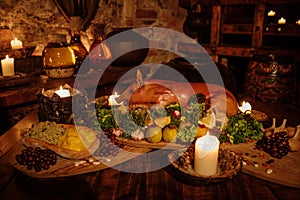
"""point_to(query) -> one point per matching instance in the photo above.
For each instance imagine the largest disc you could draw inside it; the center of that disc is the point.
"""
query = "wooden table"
(113, 184)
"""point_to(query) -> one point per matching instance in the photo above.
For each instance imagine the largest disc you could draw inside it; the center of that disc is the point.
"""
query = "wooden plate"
(66, 167)
(145, 144)
(285, 171)
(229, 165)
(66, 153)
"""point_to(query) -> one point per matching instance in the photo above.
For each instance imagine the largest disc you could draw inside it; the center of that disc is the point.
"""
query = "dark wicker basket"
(59, 109)
(229, 166)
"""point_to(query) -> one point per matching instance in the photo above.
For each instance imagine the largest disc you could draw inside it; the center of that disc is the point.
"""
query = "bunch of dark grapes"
(277, 145)
(36, 158)
(109, 144)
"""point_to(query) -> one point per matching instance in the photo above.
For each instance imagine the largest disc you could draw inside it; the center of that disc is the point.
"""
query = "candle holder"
(52, 107)
(6, 48)
(229, 165)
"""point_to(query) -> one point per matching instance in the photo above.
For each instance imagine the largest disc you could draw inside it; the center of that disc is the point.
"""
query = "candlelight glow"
(281, 21)
(245, 108)
(8, 67)
(63, 92)
(16, 44)
(271, 13)
(112, 100)
(206, 155)
(298, 22)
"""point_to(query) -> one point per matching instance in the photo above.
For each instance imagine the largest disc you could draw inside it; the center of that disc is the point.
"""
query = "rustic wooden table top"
(113, 184)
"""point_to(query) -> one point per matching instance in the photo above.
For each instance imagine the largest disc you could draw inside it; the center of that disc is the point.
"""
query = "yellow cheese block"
(73, 141)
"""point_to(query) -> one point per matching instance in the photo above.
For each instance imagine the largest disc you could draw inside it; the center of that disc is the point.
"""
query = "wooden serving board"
(145, 144)
(286, 171)
(66, 167)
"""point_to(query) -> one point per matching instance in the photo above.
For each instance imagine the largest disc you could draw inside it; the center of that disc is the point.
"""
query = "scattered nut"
(82, 162)
(269, 171)
(96, 163)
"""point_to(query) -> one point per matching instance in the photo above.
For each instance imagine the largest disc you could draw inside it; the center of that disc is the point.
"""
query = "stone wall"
(32, 21)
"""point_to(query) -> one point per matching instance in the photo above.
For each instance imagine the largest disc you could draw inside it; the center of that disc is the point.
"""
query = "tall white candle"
(8, 68)
(16, 44)
(206, 155)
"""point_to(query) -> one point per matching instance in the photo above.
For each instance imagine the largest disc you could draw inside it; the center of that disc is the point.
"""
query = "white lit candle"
(245, 108)
(281, 21)
(112, 100)
(206, 155)
(63, 92)
(16, 44)
(271, 13)
(8, 68)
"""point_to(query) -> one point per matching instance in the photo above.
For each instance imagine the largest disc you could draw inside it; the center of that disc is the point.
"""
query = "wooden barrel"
(270, 78)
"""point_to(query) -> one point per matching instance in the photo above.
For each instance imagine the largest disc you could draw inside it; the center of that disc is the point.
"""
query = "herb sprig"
(240, 128)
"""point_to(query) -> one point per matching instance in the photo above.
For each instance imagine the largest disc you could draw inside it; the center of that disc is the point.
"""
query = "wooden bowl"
(229, 165)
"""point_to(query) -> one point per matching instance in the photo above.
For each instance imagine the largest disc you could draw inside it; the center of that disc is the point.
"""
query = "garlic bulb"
(294, 142)
(137, 135)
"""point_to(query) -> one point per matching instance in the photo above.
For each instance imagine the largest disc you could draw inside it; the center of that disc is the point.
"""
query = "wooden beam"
(281, 1)
(285, 30)
(215, 25)
(241, 2)
(258, 25)
(234, 51)
(237, 28)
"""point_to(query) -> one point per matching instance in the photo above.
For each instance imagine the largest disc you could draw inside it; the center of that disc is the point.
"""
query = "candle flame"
(63, 92)
(245, 108)
(112, 100)
(16, 44)
(8, 59)
(271, 13)
(281, 21)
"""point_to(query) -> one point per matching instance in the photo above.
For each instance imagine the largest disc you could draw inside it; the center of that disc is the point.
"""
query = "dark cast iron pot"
(132, 40)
